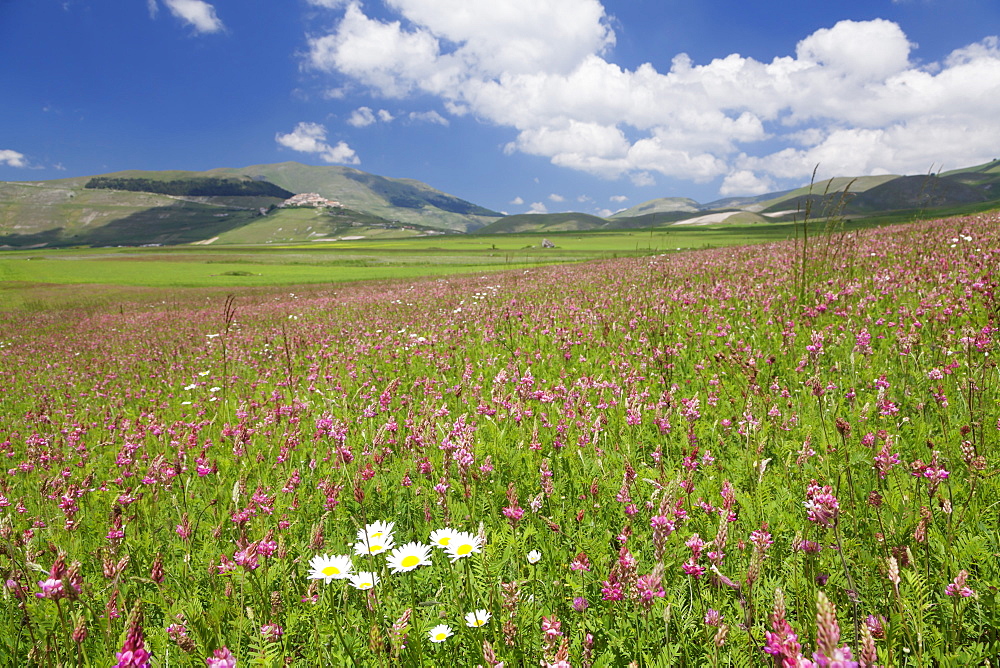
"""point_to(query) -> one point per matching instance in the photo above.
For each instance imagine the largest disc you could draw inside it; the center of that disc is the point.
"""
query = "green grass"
(45, 278)
(153, 273)
(344, 261)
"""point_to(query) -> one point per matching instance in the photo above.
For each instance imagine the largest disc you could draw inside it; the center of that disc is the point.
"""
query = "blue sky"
(517, 105)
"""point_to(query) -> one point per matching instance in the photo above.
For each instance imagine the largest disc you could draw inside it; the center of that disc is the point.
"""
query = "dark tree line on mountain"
(200, 187)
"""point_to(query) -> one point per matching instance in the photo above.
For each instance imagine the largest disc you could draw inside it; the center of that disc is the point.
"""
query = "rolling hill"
(238, 206)
(660, 205)
(67, 212)
(547, 222)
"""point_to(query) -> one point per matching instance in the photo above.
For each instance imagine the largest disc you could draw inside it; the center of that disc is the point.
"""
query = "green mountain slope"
(545, 222)
(903, 193)
(66, 212)
(660, 205)
(403, 200)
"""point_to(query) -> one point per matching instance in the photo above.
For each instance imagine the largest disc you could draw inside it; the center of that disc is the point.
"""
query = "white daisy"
(463, 544)
(408, 557)
(373, 545)
(439, 633)
(477, 618)
(326, 568)
(377, 530)
(364, 580)
(534, 557)
(442, 537)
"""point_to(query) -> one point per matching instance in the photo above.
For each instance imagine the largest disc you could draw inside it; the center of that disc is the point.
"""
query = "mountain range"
(242, 206)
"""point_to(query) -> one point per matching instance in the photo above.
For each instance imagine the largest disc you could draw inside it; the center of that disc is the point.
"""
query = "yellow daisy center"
(478, 622)
(444, 541)
(409, 561)
(374, 548)
(464, 549)
(376, 535)
(331, 570)
(365, 585)
(440, 635)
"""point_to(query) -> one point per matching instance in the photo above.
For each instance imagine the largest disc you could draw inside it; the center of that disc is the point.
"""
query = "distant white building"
(309, 199)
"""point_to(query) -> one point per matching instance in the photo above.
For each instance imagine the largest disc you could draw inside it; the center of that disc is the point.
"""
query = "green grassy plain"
(35, 278)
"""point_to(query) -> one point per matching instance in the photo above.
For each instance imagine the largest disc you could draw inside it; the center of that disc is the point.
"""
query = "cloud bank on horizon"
(853, 98)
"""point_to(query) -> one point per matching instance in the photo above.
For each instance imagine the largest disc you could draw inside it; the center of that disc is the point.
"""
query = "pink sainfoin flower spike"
(222, 658)
(761, 539)
(782, 641)
(821, 505)
(957, 586)
(580, 563)
(867, 652)
(513, 511)
(62, 581)
(551, 631)
(649, 588)
(827, 654)
(134, 654)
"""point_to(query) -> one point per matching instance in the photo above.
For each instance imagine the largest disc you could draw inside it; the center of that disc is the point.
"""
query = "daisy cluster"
(378, 538)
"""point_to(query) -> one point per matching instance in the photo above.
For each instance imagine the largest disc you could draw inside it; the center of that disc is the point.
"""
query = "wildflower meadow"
(773, 455)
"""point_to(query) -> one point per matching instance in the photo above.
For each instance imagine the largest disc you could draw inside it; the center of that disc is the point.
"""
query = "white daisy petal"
(442, 537)
(440, 633)
(409, 557)
(327, 568)
(377, 530)
(369, 545)
(463, 544)
(364, 580)
(477, 618)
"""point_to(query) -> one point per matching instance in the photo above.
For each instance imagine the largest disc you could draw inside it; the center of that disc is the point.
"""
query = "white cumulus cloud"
(431, 116)
(365, 116)
(745, 182)
(12, 158)
(198, 13)
(362, 117)
(851, 97)
(311, 138)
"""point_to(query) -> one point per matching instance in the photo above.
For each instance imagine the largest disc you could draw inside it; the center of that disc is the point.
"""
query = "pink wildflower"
(580, 563)
(693, 569)
(957, 586)
(821, 504)
(134, 654)
(221, 658)
(649, 588)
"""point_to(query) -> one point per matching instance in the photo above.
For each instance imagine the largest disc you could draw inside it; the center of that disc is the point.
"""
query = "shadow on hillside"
(51, 237)
(163, 225)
